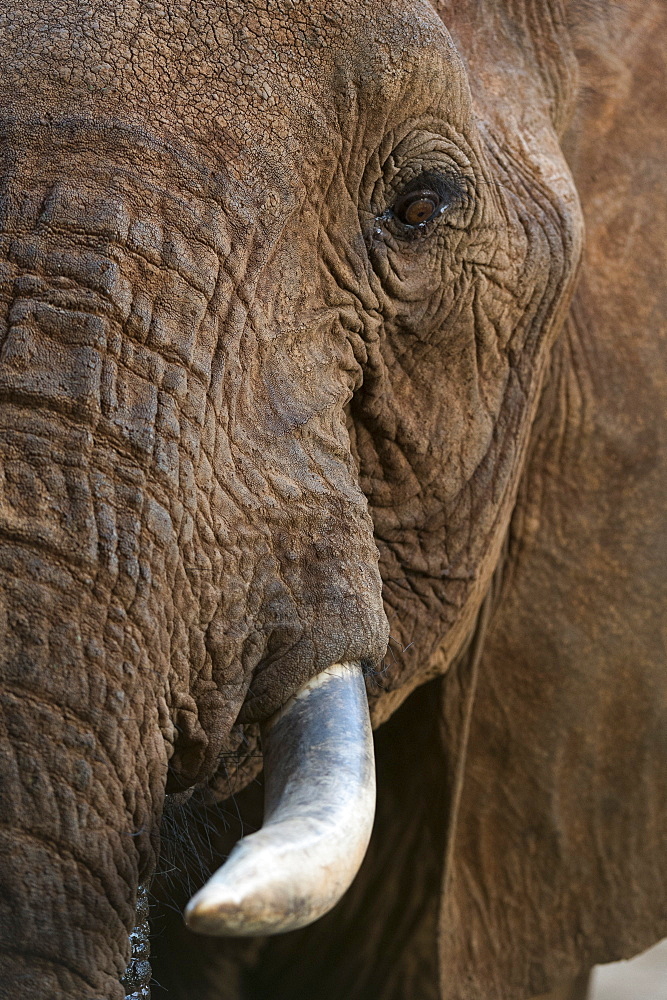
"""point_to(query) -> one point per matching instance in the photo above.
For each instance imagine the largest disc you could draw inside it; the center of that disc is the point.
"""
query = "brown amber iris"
(417, 207)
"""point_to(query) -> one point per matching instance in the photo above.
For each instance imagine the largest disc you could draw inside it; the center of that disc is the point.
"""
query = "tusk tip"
(220, 913)
(208, 913)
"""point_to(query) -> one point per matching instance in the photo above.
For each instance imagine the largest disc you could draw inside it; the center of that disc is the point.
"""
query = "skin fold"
(252, 424)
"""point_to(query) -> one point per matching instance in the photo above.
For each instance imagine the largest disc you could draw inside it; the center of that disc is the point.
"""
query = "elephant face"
(277, 302)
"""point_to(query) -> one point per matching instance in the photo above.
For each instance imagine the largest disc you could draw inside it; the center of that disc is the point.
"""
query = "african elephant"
(303, 375)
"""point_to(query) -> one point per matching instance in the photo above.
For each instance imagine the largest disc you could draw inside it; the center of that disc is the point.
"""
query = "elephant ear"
(558, 844)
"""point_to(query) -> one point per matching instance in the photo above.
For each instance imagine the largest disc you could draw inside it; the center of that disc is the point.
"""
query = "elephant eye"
(415, 208)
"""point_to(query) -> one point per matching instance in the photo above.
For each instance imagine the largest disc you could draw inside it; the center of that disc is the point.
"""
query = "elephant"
(332, 373)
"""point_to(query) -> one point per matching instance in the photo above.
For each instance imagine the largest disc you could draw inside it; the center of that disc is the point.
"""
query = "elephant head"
(278, 289)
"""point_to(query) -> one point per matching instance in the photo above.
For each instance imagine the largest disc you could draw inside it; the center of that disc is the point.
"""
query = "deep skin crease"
(251, 424)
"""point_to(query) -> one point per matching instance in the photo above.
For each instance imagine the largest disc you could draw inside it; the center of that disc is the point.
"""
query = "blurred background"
(643, 978)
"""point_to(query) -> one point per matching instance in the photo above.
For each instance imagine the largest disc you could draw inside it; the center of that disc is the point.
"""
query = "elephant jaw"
(319, 809)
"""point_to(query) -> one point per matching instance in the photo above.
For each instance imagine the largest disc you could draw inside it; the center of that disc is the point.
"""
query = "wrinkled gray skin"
(249, 420)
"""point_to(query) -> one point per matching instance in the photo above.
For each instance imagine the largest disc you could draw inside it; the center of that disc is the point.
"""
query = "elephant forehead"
(287, 72)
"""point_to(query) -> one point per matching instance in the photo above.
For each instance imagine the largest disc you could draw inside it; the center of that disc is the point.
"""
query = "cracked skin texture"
(250, 425)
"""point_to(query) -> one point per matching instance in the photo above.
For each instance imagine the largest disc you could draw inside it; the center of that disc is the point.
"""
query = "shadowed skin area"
(253, 422)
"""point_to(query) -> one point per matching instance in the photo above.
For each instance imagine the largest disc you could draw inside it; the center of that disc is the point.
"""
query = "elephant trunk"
(182, 545)
(82, 757)
(70, 848)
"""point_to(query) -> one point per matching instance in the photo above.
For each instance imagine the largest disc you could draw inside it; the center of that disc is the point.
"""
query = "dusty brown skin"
(250, 423)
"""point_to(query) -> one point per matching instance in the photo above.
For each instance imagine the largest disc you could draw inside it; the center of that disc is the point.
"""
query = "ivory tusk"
(319, 804)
